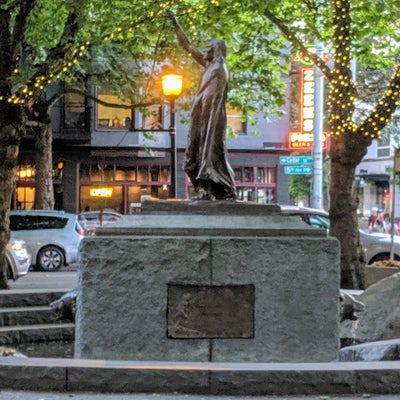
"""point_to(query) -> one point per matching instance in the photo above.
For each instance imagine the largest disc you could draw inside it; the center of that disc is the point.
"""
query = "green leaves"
(121, 34)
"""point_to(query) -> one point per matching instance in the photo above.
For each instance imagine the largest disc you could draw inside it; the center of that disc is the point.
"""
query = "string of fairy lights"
(39, 82)
(341, 99)
(342, 95)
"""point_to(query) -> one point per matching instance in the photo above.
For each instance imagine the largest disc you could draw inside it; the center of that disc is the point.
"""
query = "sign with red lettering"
(304, 139)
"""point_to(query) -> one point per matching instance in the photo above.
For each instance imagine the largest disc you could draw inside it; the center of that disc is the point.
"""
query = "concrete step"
(13, 335)
(27, 315)
(26, 298)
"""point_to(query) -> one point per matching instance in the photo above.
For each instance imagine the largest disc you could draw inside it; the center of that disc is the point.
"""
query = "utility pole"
(317, 181)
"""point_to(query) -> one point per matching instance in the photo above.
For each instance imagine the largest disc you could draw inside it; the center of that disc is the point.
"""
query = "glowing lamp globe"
(172, 85)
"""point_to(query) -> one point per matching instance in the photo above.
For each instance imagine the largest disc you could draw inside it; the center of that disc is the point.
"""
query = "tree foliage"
(46, 40)
(349, 31)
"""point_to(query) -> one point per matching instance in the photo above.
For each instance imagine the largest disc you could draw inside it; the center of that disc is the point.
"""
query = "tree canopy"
(46, 40)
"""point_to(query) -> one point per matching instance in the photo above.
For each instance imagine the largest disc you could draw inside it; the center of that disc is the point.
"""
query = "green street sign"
(298, 170)
(290, 160)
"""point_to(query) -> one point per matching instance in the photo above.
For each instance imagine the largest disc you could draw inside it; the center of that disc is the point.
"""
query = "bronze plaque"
(210, 312)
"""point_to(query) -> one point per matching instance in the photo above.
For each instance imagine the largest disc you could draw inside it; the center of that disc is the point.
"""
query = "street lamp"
(172, 88)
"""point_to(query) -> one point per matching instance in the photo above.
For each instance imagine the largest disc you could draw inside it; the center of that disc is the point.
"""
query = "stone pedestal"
(209, 281)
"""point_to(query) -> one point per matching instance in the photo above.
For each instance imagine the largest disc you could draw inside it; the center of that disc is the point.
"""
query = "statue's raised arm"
(184, 41)
(206, 162)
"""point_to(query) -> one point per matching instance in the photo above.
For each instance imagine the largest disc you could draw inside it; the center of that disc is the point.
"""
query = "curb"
(72, 375)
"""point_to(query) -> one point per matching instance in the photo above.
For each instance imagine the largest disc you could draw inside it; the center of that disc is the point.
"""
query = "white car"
(18, 259)
(90, 220)
(376, 245)
(52, 237)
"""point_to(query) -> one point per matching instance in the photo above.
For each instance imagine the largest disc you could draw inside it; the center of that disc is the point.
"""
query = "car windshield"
(319, 221)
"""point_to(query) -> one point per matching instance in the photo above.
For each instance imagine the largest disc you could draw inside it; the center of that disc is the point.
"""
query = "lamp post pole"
(317, 182)
(172, 88)
(172, 135)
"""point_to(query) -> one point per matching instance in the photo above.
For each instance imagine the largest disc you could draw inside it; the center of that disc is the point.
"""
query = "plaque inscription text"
(210, 312)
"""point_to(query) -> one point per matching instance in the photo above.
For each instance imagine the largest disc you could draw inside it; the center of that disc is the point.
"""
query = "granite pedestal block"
(209, 281)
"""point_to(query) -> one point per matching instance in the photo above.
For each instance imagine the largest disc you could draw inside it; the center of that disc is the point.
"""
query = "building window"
(257, 195)
(26, 173)
(25, 190)
(256, 184)
(113, 118)
(125, 174)
(143, 174)
(235, 120)
(115, 202)
(25, 197)
(265, 175)
(383, 152)
(74, 111)
(248, 174)
(152, 117)
(129, 184)
(383, 147)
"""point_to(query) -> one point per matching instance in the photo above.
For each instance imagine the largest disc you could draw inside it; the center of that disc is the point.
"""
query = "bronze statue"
(206, 160)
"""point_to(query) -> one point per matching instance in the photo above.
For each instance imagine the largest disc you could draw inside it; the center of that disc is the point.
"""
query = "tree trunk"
(9, 148)
(343, 210)
(39, 123)
(44, 191)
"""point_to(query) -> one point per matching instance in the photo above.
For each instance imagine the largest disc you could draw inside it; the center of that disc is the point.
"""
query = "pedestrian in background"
(372, 218)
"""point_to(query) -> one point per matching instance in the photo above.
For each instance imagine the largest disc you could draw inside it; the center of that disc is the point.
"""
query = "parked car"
(52, 237)
(376, 245)
(311, 216)
(18, 259)
(90, 220)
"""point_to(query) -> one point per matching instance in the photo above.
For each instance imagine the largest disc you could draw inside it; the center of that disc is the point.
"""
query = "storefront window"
(143, 174)
(25, 198)
(26, 172)
(164, 176)
(270, 175)
(258, 195)
(155, 173)
(256, 184)
(89, 202)
(108, 172)
(265, 175)
(134, 184)
(248, 174)
(238, 174)
(125, 174)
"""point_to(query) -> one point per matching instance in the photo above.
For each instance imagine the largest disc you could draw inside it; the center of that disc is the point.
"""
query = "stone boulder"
(65, 306)
(384, 350)
(380, 320)
(349, 306)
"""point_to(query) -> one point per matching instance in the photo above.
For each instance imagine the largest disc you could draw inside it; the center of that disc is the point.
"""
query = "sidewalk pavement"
(98, 396)
(64, 279)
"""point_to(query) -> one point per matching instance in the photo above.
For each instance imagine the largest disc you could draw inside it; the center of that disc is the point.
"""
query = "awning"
(374, 177)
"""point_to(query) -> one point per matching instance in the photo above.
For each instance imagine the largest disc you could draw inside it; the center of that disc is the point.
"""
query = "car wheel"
(50, 258)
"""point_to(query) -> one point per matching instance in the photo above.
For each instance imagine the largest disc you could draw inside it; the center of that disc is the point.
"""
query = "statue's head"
(215, 49)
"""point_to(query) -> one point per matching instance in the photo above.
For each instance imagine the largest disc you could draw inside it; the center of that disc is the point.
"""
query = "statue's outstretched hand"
(171, 17)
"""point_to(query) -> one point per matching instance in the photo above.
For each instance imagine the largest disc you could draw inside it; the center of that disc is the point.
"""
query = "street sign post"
(290, 160)
(297, 170)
